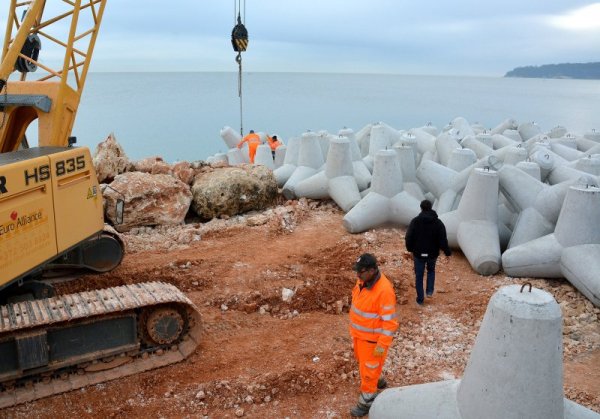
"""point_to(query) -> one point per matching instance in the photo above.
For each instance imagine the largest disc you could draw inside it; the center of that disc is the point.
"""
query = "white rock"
(287, 294)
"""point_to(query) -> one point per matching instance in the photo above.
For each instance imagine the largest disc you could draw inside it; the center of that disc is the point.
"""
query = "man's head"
(366, 266)
(426, 205)
(274, 138)
(251, 131)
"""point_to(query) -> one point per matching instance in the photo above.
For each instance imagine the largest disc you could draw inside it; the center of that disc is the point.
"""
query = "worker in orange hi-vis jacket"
(373, 321)
(273, 143)
(253, 140)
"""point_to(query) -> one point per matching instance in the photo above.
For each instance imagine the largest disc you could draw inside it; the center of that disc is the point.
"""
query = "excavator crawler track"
(54, 345)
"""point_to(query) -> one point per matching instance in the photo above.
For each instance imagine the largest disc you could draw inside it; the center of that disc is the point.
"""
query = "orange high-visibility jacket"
(373, 312)
(274, 144)
(252, 139)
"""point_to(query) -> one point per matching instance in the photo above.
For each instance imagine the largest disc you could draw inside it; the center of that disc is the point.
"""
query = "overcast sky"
(459, 37)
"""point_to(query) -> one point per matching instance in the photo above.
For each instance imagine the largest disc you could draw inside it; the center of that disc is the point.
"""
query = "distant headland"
(589, 71)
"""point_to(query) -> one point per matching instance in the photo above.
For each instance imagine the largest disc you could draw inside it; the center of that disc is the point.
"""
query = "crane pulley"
(239, 41)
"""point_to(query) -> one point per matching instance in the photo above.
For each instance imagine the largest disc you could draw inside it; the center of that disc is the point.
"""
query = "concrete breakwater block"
(336, 181)
(572, 251)
(230, 136)
(264, 156)
(515, 369)
(280, 153)
(474, 225)
(382, 137)
(386, 201)
(540, 166)
(310, 160)
(290, 161)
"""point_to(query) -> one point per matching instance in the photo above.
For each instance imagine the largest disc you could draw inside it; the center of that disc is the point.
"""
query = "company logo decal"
(17, 221)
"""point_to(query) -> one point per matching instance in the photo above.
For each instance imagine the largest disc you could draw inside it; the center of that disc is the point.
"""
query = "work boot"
(381, 383)
(365, 400)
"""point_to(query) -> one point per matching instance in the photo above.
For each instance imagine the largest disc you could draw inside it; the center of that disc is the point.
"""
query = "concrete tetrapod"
(280, 153)
(589, 164)
(434, 177)
(572, 251)
(531, 168)
(382, 138)
(425, 140)
(461, 158)
(407, 166)
(386, 202)
(474, 225)
(290, 161)
(310, 160)
(507, 124)
(444, 145)
(235, 156)
(450, 198)
(230, 137)
(264, 156)
(499, 141)
(361, 171)
(521, 191)
(539, 204)
(515, 369)
(336, 181)
(408, 139)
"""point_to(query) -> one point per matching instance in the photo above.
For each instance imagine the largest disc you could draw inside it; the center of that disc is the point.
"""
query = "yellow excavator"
(51, 215)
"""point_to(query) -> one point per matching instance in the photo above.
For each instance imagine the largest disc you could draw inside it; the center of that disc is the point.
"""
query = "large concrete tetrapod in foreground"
(515, 370)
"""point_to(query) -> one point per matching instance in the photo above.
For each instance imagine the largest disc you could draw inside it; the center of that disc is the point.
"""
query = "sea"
(179, 116)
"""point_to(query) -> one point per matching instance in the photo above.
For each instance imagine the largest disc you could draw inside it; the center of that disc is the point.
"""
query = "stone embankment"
(160, 194)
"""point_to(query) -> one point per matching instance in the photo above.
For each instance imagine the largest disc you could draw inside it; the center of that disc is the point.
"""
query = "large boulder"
(233, 190)
(183, 171)
(149, 200)
(109, 159)
(157, 166)
(154, 165)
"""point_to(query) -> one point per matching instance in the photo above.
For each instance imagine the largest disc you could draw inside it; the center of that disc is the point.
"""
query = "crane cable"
(239, 41)
(238, 59)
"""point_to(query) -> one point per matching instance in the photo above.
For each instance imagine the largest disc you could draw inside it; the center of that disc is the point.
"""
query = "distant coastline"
(587, 71)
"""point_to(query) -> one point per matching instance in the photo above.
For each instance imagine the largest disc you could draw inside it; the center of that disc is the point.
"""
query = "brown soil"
(264, 358)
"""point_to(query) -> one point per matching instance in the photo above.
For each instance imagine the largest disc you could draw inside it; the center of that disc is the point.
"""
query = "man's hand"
(378, 351)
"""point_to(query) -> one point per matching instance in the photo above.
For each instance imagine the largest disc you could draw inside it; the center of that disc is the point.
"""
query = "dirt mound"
(262, 357)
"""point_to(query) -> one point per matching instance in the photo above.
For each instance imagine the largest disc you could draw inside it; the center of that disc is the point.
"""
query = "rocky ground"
(262, 357)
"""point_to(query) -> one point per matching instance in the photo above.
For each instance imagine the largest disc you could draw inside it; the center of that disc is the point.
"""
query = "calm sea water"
(179, 115)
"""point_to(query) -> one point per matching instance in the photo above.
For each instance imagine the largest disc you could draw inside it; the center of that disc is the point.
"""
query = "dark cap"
(365, 261)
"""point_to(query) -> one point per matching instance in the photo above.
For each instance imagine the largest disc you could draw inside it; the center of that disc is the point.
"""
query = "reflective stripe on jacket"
(373, 313)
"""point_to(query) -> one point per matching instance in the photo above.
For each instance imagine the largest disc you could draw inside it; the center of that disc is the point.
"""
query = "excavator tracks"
(54, 345)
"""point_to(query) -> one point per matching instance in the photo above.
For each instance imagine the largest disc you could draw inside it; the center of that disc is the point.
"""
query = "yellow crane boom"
(73, 28)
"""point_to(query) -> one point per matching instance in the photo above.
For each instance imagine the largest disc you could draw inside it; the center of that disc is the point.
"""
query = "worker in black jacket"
(425, 236)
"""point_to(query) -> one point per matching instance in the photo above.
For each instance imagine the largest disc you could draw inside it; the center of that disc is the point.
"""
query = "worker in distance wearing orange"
(373, 322)
(253, 141)
(273, 143)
